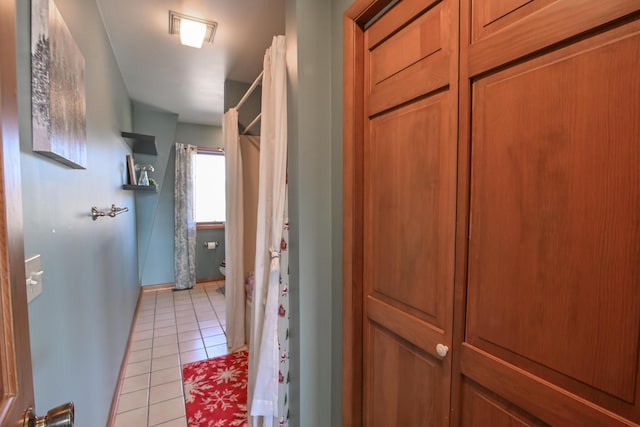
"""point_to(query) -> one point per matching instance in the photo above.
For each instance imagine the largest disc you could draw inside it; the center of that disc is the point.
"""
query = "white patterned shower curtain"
(283, 321)
(185, 222)
(263, 355)
(234, 233)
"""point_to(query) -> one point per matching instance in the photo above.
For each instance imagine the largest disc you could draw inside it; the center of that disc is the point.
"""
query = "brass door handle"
(60, 416)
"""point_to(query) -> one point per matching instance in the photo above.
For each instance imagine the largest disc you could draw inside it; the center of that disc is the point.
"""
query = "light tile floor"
(172, 328)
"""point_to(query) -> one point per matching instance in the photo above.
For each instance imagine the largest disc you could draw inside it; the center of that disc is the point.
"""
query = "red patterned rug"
(216, 391)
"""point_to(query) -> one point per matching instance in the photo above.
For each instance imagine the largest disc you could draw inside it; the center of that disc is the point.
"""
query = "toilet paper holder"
(211, 245)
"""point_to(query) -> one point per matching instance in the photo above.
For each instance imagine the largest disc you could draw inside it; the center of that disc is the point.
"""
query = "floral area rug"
(216, 391)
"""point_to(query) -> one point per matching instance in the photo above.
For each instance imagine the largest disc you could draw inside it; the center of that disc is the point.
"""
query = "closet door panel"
(410, 62)
(484, 408)
(398, 373)
(408, 188)
(506, 30)
(395, 19)
(554, 225)
(489, 16)
(520, 388)
(411, 170)
(413, 43)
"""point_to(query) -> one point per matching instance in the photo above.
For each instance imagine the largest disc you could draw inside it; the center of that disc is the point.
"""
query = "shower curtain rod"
(253, 86)
(252, 124)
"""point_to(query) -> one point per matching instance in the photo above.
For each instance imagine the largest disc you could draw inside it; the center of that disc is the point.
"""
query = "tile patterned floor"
(172, 328)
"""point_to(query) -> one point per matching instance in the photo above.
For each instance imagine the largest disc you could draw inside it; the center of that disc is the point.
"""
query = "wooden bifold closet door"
(408, 202)
(551, 131)
(492, 213)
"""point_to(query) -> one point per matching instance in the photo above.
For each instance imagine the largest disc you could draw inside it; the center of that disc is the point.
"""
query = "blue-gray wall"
(155, 211)
(338, 8)
(208, 260)
(203, 135)
(79, 325)
(314, 63)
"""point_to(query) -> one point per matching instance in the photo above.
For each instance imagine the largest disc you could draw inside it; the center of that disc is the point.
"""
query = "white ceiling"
(160, 72)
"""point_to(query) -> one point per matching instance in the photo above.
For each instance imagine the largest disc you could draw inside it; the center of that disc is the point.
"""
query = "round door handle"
(442, 350)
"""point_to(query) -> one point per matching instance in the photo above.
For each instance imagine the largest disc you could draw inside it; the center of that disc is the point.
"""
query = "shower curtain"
(234, 233)
(185, 222)
(263, 355)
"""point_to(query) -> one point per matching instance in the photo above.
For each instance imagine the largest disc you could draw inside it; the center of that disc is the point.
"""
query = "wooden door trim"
(354, 21)
(17, 381)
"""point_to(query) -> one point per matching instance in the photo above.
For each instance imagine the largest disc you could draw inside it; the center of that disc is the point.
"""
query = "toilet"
(223, 267)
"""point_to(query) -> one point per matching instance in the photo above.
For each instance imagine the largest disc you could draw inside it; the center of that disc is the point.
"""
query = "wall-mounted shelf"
(139, 143)
(151, 188)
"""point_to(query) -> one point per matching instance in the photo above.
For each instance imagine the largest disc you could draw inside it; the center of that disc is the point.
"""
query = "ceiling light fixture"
(193, 31)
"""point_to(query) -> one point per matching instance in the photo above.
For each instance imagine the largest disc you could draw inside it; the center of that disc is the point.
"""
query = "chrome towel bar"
(95, 213)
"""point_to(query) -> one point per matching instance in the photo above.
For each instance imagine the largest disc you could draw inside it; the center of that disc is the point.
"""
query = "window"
(209, 188)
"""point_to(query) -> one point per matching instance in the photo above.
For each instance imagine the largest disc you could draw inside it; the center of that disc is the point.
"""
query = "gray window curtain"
(185, 222)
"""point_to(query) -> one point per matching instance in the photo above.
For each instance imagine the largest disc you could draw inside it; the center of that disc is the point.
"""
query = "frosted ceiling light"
(193, 31)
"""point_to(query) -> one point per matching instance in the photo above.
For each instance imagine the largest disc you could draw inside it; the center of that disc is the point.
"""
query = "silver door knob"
(60, 416)
(442, 350)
